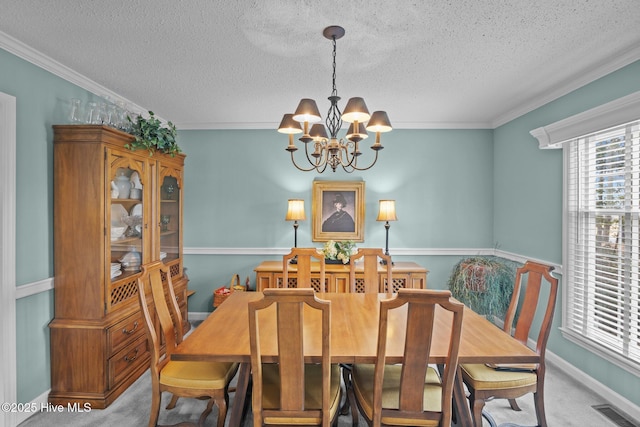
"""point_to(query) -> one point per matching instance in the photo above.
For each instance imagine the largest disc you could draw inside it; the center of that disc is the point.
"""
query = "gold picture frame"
(337, 211)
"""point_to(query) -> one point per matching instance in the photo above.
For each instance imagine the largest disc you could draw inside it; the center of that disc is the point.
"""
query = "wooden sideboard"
(404, 274)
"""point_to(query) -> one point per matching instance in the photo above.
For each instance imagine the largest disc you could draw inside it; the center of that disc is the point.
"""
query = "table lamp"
(295, 213)
(387, 212)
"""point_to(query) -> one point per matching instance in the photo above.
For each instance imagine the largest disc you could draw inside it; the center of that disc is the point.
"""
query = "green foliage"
(484, 284)
(151, 135)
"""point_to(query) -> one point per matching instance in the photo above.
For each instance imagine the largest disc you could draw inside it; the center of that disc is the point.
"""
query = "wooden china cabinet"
(102, 233)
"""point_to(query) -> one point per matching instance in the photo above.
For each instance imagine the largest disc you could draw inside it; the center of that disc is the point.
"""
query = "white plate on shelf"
(136, 210)
(117, 213)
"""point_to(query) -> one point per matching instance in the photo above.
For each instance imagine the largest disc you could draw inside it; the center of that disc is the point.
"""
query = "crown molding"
(582, 78)
(43, 61)
(274, 125)
(608, 66)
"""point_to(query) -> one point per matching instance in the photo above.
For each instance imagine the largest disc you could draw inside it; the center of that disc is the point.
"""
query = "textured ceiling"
(242, 64)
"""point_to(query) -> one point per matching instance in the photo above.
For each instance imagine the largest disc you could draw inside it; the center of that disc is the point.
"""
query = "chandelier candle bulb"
(359, 135)
(379, 123)
(290, 127)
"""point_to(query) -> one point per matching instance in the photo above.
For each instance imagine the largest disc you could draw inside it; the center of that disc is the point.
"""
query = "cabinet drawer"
(127, 360)
(124, 332)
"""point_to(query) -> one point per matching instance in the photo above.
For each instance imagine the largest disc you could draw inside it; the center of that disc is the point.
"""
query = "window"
(602, 243)
(601, 235)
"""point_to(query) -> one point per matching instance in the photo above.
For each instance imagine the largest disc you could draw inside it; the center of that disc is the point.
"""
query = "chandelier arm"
(299, 168)
(318, 164)
(368, 167)
(324, 167)
(352, 159)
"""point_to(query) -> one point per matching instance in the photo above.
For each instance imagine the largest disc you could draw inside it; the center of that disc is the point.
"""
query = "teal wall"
(40, 102)
(467, 189)
(237, 184)
(528, 204)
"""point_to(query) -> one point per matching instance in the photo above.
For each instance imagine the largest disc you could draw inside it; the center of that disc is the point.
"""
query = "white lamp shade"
(295, 211)
(387, 211)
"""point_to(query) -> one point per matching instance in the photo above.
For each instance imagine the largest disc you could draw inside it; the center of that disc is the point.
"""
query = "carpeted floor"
(567, 404)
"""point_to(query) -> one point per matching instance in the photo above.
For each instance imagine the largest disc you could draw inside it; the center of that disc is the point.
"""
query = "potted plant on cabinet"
(484, 284)
(150, 134)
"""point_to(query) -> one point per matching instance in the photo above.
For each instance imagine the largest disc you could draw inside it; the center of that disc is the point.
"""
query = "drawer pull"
(135, 326)
(132, 358)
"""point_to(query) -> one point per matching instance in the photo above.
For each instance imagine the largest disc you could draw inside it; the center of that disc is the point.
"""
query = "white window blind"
(602, 191)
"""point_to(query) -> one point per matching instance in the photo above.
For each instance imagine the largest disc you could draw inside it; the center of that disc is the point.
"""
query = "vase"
(124, 186)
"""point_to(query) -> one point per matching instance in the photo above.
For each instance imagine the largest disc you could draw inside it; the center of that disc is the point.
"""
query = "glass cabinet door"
(126, 218)
(170, 199)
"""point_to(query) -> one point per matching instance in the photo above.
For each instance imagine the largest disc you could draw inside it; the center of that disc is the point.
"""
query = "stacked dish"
(117, 232)
(118, 226)
(115, 269)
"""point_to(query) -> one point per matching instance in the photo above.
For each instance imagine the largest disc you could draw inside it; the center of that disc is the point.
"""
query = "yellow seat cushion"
(362, 379)
(197, 375)
(482, 377)
(313, 392)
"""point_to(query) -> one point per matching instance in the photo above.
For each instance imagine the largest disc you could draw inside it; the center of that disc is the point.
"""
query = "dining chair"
(370, 281)
(288, 391)
(412, 393)
(303, 258)
(512, 381)
(182, 379)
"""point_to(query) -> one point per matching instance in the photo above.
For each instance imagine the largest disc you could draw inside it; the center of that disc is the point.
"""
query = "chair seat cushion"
(313, 392)
(362, 379)
(482, 377)
(197, 375)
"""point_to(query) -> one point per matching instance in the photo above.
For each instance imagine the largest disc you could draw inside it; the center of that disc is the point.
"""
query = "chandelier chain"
(333, 78)
(334, 120)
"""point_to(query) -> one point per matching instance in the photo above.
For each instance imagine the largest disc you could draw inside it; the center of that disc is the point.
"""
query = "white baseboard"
(198, 315)
(39, 402)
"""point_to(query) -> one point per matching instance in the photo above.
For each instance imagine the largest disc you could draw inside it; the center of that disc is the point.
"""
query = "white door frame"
(8, 379)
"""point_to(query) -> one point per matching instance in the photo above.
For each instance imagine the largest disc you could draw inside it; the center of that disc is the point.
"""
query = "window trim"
(614, 113)
(554, 136)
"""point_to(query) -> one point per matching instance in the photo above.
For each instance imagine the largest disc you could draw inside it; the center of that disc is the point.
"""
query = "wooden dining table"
(224, 336)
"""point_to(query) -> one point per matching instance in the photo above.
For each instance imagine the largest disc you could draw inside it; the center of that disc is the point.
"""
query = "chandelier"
(331, 150)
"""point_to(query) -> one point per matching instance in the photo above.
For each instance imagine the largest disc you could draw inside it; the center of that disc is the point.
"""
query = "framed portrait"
(337, 211)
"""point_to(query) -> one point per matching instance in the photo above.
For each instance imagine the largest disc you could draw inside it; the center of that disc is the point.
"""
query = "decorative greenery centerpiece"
(151, 135)
(484, 284)
(341, 251)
